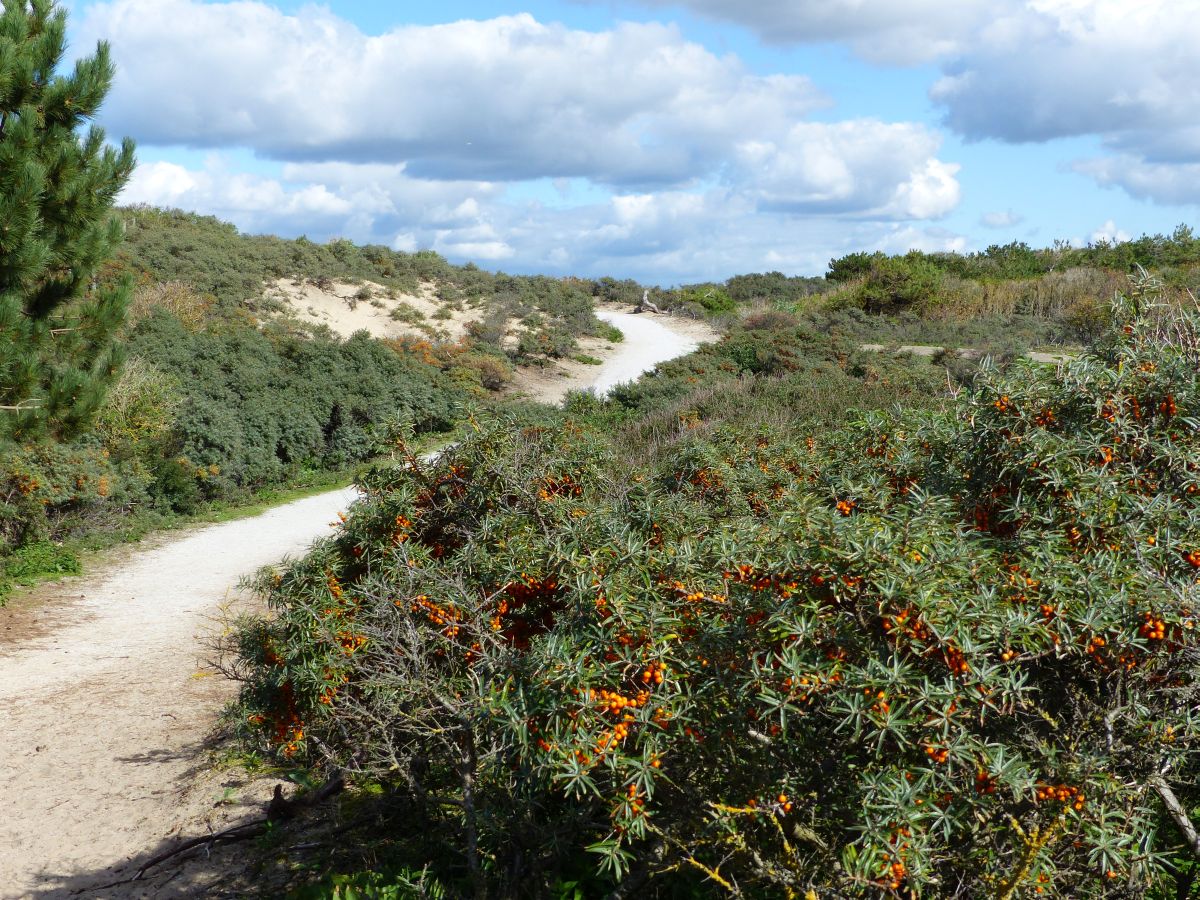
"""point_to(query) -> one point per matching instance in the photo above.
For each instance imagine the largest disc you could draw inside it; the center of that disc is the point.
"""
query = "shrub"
(406, 312)
(41, 483)
(610, 333)
(263, 405)
(186, 304)
(948, 653)
(546, 340)
(35, 561)
(896, 282)
(137, 420)
(712, 298)
(769, 320)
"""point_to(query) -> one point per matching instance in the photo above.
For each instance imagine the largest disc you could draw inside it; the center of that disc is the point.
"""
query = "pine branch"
(24, 405)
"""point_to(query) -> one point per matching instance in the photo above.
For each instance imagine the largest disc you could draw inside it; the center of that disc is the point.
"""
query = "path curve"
(104, 717)
(647, 343)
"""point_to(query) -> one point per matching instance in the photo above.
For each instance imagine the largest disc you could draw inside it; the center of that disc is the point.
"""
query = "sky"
(671, 141)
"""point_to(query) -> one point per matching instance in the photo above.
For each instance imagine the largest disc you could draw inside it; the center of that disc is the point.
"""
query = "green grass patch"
(611, 333)
(37, 562)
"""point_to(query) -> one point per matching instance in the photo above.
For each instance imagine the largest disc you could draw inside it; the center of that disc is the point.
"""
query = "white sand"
(337, 308)
(647, 343)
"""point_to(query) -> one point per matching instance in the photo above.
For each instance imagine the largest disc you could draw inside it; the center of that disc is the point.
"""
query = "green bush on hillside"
(260, 406)
(214, 259)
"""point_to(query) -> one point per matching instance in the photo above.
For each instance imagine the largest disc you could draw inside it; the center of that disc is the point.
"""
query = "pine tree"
(57, 227)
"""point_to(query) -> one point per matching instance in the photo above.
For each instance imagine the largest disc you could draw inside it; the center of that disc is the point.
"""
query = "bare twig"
(24, 405)
(228, 836)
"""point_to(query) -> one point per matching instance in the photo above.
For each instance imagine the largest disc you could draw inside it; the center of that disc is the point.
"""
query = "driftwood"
(278, 809)
(647, 305)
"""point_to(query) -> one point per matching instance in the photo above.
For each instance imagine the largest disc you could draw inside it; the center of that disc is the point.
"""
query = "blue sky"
(665, 140)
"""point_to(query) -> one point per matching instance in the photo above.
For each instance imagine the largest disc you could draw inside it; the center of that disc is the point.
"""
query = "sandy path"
(1058, 356)
(103, 718)
(105, 707)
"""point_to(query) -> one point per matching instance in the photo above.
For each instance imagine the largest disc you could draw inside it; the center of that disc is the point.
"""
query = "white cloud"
(361, 202)
(232, 195)
(1001, 219)
(1161, 182)
(1118, 70)
(411, 139)
(1055, 68)
(660, 237)
(899, 31)
(902, 238)
(1109, 233)
(503, 99)
(1028, 71)
(863, 167)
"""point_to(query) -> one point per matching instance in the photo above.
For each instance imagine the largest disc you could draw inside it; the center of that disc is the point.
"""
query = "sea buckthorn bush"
(42, 483)
(938, 653)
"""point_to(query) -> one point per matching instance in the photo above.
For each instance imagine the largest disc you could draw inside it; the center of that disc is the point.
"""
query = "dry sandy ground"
(107, 707)
(338, 308)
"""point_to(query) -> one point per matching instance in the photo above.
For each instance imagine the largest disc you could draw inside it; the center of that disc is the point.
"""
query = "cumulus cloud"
(691, 164)
(504, 99)
(1055, 68)
(1109, 233)
(248, 198)
(863, 167)
(902, 238)
(1025, 71)
(1161, 182)
(361, 202)
(1121, 71)
(663, 237)
(898, 31)
(1001, 219)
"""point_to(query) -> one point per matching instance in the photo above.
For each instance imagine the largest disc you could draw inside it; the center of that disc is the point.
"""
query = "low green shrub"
(893, 283)
(610, 333)
(42, 483)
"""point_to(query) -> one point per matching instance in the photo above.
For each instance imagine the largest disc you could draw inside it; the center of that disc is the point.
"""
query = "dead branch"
(1178, 813)
(334, 785)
